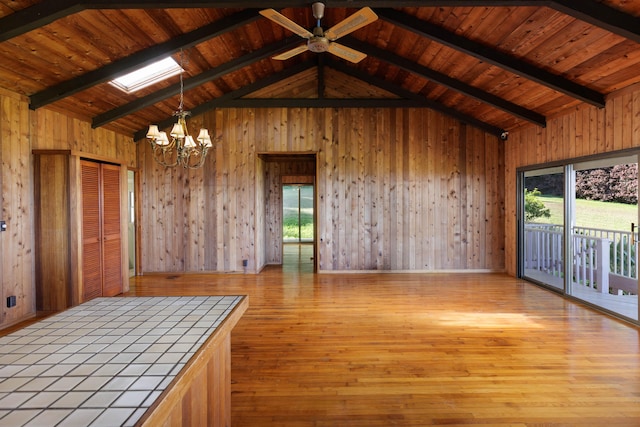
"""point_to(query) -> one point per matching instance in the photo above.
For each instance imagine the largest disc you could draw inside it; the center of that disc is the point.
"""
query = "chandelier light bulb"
(177, 131)
(204, 135)
(153, 132)
(189, 142)
(163, 139)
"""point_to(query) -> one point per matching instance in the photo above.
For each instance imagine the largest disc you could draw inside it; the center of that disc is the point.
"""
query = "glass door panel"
(543, 231)
(604, 236)
(297, 213)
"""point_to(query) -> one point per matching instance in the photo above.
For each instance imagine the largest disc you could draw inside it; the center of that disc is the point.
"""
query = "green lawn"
(589, 213)
(294, 204)
(594, 214)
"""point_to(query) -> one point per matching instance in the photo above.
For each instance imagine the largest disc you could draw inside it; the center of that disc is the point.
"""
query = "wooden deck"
(418, 350)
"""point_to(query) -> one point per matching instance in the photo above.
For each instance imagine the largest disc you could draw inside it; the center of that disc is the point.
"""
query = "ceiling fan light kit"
(320, 41)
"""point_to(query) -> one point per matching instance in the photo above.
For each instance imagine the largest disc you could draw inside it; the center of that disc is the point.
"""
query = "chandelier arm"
(199, 154)
(164, 156)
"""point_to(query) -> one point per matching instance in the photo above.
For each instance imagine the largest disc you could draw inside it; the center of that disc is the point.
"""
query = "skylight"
(148, 75)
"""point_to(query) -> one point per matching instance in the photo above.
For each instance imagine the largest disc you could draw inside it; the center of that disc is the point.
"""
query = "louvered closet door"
(91, 231)
(101, 231)
(111, 230)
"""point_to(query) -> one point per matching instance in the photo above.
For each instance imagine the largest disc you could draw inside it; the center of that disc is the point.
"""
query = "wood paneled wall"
(16, 208)
(21, 131)
(52, 130)
(583, 132)
(398, 189)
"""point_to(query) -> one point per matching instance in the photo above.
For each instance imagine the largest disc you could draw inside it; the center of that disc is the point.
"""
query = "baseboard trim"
(473, 271)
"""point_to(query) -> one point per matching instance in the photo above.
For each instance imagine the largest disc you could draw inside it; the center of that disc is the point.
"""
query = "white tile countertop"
(104, 362)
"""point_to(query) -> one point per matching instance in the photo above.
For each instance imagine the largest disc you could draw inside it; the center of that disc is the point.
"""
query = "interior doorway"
(290, 211)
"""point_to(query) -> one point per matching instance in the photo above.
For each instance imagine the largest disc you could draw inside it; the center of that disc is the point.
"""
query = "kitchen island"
(124, 361)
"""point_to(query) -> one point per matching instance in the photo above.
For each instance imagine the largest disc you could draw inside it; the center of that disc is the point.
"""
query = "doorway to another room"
(290, 211)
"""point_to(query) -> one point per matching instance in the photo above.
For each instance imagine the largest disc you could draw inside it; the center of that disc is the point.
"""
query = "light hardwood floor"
(418, 350)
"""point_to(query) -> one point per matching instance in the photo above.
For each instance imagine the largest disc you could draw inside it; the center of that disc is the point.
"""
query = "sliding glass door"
(578, 233)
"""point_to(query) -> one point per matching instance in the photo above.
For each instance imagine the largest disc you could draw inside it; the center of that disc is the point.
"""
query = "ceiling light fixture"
(181, 149)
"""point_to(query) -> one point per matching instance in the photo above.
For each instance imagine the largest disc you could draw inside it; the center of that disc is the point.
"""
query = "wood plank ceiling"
(498, 65)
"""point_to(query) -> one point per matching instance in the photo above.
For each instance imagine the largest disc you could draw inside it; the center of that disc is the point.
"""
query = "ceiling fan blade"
(290, 53)
(287, 23)
(364, 16)
(347, 53)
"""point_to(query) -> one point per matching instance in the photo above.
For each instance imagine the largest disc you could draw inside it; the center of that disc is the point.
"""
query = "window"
(148, 75)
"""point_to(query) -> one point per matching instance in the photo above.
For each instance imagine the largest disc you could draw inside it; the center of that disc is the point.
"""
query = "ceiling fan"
(323, 41)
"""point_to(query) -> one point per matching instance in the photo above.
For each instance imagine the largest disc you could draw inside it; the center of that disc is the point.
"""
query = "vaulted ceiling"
(497, 65)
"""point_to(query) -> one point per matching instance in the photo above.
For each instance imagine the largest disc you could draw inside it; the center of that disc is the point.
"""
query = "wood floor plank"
(418, 350)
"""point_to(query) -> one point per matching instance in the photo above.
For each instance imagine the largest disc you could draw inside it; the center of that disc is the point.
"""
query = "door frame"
(288, 164)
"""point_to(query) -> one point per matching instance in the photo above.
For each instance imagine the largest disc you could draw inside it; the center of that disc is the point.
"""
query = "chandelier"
(181, 149)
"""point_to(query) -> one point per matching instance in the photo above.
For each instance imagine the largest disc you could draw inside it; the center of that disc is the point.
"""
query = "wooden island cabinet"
(80, 237)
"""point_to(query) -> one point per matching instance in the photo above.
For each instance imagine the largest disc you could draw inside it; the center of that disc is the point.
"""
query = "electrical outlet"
(11, 301)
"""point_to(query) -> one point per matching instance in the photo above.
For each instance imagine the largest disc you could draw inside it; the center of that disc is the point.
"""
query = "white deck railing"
(604, 260)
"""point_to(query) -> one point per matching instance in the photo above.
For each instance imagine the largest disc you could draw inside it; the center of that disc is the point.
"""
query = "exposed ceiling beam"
(442, 79)
(601, 15)
(406, 94)
(492, 56)
(37, 16)
(46, 12)
(142, 58)
(323, 103)
(195, 81)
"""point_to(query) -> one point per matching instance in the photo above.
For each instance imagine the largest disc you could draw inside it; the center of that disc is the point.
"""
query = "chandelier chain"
(182, 65)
